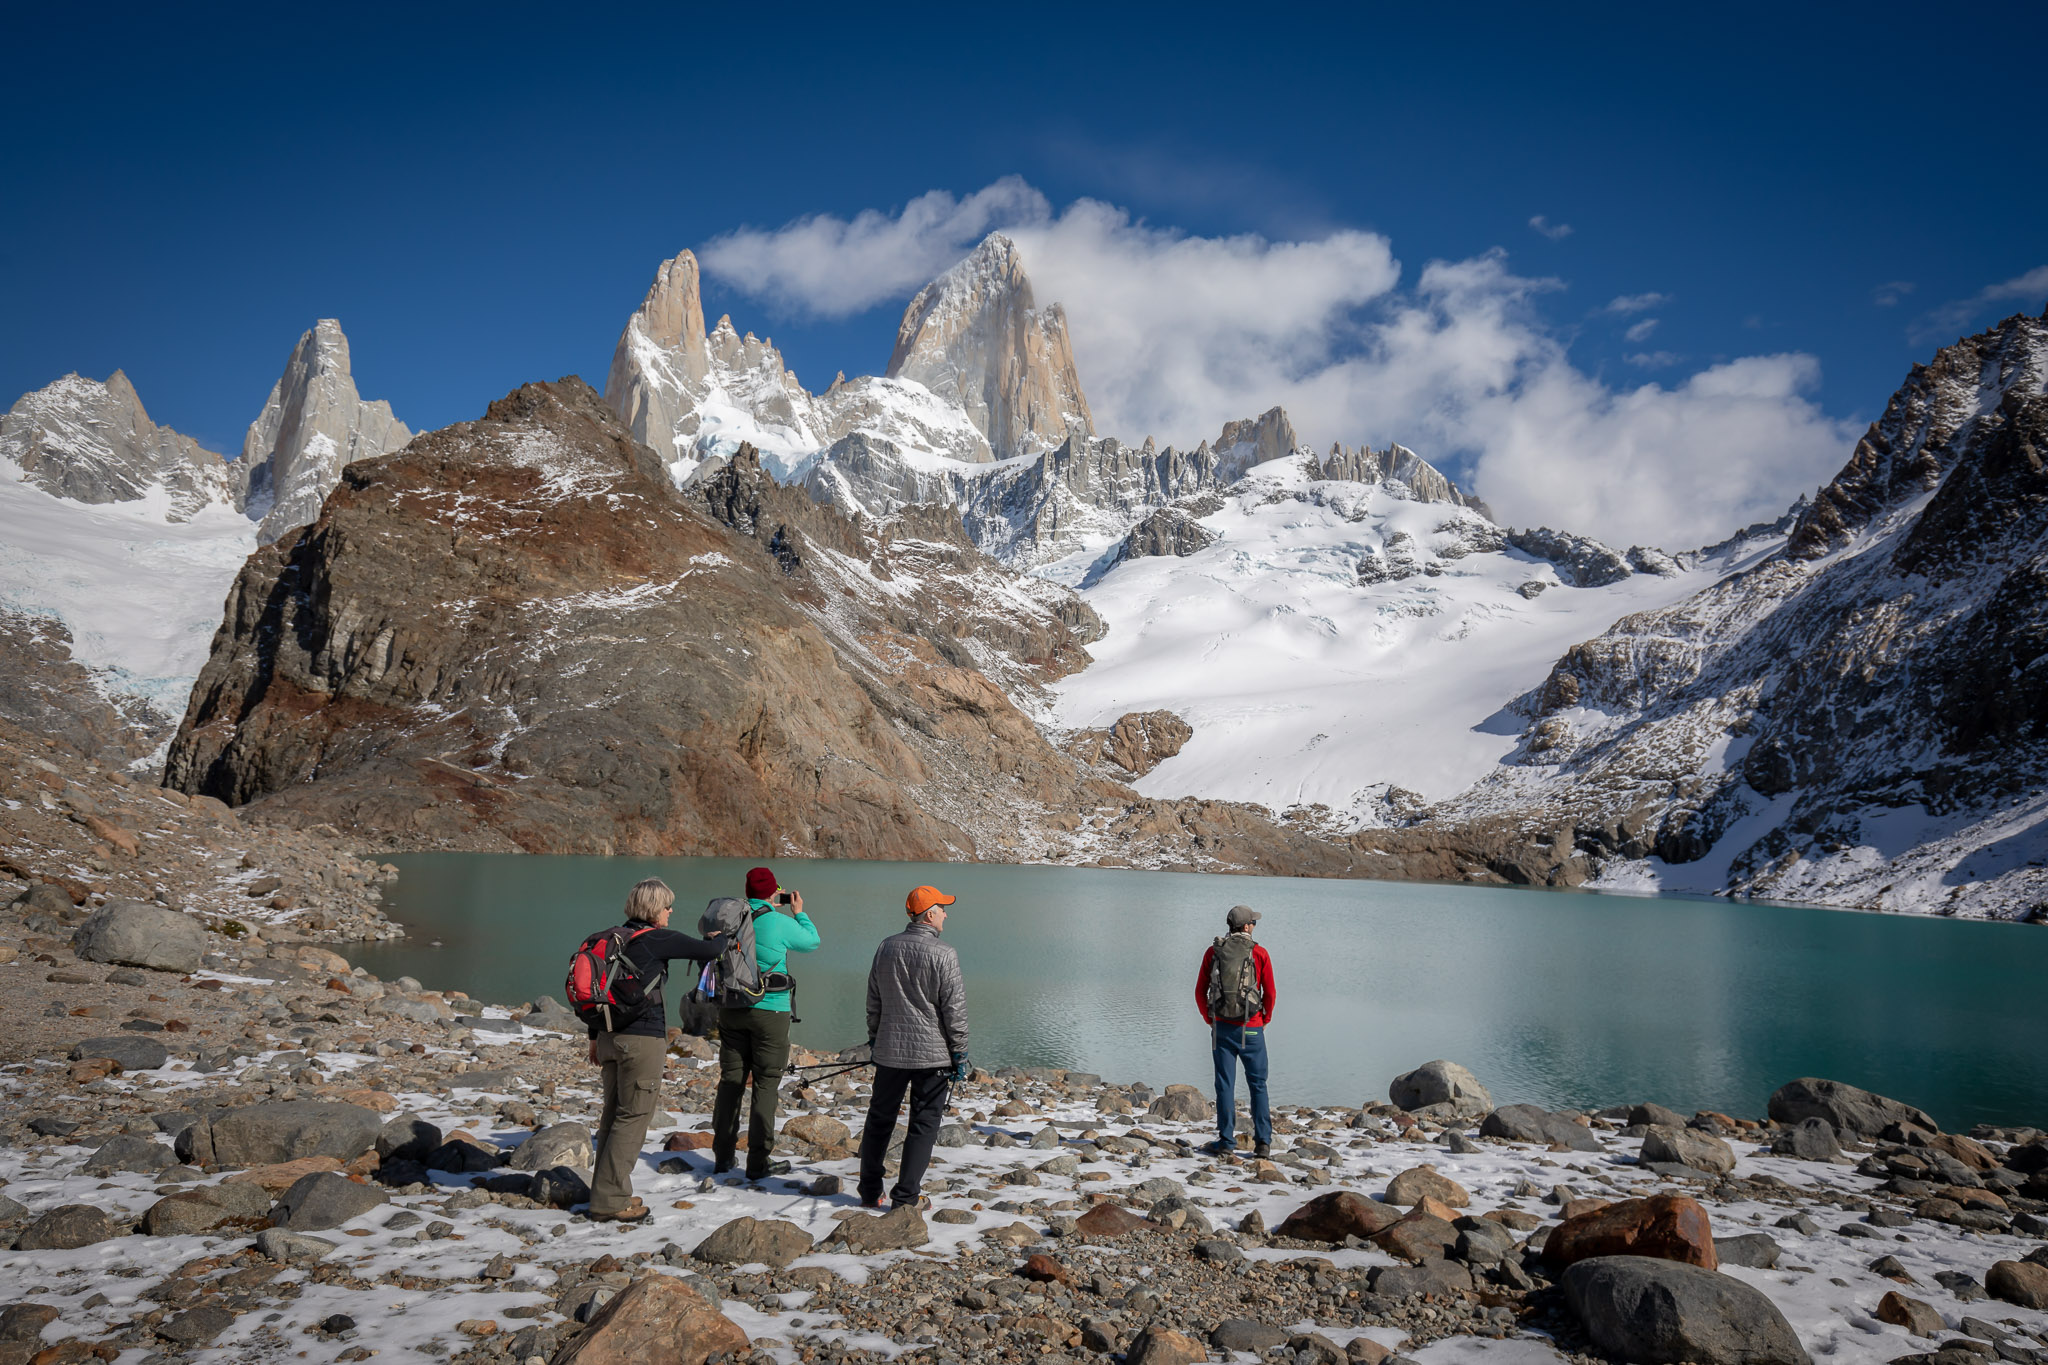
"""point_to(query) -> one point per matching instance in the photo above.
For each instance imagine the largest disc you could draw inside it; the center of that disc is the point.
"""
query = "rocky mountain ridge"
(1854, 719)
(92, 442)
(313, 423)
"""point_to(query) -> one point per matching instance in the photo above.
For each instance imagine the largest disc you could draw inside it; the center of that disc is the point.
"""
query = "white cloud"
(1636, 303)
(1654, 360)
(1641, 331)
(832, 267)
(1556, 232)
(1945, 323)
(1176, 334)
(1888, 294)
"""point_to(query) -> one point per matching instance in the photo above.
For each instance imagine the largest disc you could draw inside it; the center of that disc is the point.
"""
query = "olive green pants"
(751, 1043)
(632, 1089)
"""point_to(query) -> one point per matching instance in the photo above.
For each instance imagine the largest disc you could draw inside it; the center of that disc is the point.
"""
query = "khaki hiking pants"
(632, 1090)
(751, 1044)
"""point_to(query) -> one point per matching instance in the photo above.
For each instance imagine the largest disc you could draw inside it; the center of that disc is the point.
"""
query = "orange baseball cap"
(924, 898)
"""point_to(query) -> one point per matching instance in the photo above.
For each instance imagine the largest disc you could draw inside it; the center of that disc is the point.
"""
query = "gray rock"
(1433, 1276)
(1648, 1114)
(558, 1144)
(325, 1200)
(197, 1326)
(207, 1208)
(1528, 1123)
(1811, 1139)
(1658, 1312)
(1580, 560)
(133, 1053)
(1754, 1250)
(1182, 1106)
(1218, 1253)
(280, 1245)
(11, 1209)
(896, 1230)
(66, 1228)
(1688, 1147)
(124, 1152)
(953, 1135)
(1244, 1334)
(498, 1081)
(1481, 1241)
(407, 1138)
(264, 1134)
(138, 934)
(1045, 1138)
(559, 1187)
(744, 1241)
(41, 898)
(1442, 1088)
(1857, 1113)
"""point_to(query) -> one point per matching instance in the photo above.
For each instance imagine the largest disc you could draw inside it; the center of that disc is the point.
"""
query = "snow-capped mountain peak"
(92, 442)
(313, 425)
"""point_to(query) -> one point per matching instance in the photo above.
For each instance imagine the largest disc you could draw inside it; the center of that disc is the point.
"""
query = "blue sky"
(481, 194)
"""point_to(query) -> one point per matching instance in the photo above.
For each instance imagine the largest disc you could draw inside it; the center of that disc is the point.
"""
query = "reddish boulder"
(1418, 1237)
(656, 1320)
(1333, 1217)
(1669, 1227)
(1109, 1220)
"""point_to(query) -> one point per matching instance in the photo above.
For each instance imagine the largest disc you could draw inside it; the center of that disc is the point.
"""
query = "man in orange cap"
(917, 1031)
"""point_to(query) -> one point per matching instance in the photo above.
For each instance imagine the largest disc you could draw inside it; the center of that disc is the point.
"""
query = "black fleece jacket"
(649, 953)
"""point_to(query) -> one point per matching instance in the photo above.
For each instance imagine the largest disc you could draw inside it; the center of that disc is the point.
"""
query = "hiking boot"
(875, 1203)
(721, 1165)
(923, 1201)
(1220, 1147)
(1262, 1149)
(772, 1168)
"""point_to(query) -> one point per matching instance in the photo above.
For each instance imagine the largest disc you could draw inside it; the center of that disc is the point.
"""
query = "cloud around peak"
(1175, 334)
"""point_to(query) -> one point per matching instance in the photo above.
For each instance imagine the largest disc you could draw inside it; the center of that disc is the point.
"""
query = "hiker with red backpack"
(1235, 995)
(615, 987)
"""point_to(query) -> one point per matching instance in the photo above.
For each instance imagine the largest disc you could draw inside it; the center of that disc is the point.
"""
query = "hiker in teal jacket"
(754, 1041)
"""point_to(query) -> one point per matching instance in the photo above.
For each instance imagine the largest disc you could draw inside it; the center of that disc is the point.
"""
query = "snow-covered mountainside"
(126, 534)
(313, 424)
(1857, 717)
(1336, 641)
(88, 442)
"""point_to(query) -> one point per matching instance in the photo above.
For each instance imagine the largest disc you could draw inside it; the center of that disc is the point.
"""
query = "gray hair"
(646, 901)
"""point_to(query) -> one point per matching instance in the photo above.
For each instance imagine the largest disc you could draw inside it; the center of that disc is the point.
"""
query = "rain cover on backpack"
(734, 980)
(1234, 992)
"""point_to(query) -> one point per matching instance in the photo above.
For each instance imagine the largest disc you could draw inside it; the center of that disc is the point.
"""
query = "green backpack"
(1234, 993)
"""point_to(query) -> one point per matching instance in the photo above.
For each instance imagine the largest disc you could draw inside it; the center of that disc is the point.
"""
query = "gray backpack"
(734, 980)
(1234, 992)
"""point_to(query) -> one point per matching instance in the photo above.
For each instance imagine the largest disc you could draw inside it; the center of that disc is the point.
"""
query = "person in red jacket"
(1235, 994)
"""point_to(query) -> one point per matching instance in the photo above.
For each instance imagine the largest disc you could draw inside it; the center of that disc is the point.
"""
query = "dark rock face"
(1662, 1312)
(49, 694)
(1139, 741)
(1167, 532)
(1846, 1109)
(265, 1134)
(1580, 560)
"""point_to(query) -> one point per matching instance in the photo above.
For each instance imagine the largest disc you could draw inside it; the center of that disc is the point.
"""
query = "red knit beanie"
(761, 884)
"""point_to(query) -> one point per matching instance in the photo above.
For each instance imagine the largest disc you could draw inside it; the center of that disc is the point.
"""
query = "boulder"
(1442, 1089)
(896, 1230)
(325, 1200)
(1181, 1104)
(1849, 1111)
(1658, 1312)
(1422, 1182)
(462, 1155)
(1163, 1346)
(558, 1144)
(243, 1204)
(1108, 1220)
(1418, 1236)
(1432, 1277)
(1247, 1334)
(266, 1134)
(197, 1326)
(1644, 1115)
(1668, 1227)
(285, 1174)
(744, 1241)
(1915, 1315)
(1811, 1139)
(26, 1321)
(656, 1320)
(407, 1138)
(1528, 1123)
(1751, 1250)
(1688, 1147)
(280, 1245)
(559, 1187)
(2022, 1282)
(123, 1152)
(132, 1051)
(66, 1228)
(819, 1130)
(137, 934)
(1334, 1216)
(1483, 1241)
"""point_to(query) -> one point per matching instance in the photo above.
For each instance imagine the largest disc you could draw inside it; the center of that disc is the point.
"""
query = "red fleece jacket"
(1260, 963)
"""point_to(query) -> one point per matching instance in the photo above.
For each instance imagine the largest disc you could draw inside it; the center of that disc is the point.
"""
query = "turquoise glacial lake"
(1553, 998)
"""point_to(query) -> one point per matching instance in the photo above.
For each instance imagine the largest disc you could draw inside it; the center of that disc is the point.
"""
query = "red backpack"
(603, 987)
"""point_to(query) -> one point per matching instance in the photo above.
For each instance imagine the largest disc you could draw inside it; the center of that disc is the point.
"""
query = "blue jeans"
(1235, 1043)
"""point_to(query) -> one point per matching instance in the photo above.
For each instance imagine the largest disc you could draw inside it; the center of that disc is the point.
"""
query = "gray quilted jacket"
(917, 1004)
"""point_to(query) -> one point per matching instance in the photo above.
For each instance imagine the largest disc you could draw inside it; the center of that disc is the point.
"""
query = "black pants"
(752, 1044)
(928, 1087)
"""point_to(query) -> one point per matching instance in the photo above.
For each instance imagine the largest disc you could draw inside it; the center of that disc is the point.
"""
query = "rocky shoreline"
(246, 1149)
